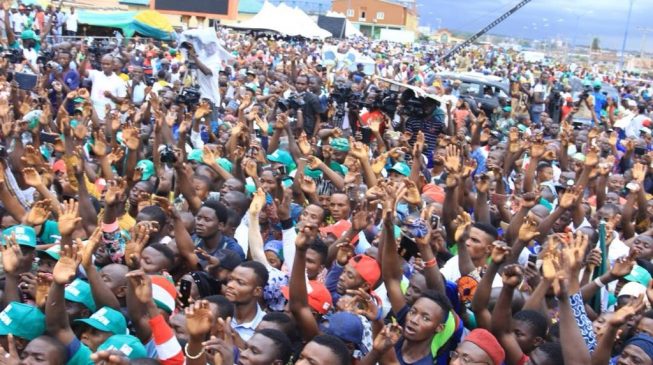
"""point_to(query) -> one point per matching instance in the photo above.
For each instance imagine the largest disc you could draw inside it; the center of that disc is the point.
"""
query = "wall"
(393, 14)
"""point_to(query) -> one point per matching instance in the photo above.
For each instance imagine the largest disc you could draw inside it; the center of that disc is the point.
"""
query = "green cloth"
(443, 336)
(341, 169)
(16, 45)
(54, 252)
(79, 291)
(22, 320)
(25, 235)
(639, 275)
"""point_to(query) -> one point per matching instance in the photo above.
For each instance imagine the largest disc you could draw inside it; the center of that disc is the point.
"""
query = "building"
(445, 36)
(370, 16)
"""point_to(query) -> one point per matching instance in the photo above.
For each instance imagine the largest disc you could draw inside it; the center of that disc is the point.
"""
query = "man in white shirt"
(108, 88)
(71, 23)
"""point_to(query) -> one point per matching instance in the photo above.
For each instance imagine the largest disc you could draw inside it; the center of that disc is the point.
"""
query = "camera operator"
(60, 71)
(311, 108)
(423, 114)
(207, 81)
(31, 43)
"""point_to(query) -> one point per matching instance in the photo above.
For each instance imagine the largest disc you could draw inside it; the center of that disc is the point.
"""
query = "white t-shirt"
(71, 22)
(18, 21)
(209, 84)
(101, 83)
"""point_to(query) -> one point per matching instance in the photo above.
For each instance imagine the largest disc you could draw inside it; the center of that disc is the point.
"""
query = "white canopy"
(284, 20)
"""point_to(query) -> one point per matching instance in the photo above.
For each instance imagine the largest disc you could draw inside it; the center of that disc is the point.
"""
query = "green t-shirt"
(82, 354)
(16, 45)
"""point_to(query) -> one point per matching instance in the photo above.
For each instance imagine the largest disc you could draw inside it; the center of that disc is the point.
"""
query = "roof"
(135, 2)
(250, 6)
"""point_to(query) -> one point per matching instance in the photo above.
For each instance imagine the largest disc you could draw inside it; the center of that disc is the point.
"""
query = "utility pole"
(623, 45)
(645, 31)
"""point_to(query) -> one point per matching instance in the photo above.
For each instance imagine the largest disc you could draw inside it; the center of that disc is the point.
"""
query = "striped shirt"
(431, 126)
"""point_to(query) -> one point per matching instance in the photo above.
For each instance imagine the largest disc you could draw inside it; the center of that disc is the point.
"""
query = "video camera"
(294, 102)
(46, 57)
(413, 105)
(189, 96)
(13, 55)
(386, 101)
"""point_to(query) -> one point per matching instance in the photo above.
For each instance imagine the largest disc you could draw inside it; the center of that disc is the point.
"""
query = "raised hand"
(131, 138)
(575, 251)
(140, 235)
(500, 251)
(592, 156)
(452, 160)
(358, 150)
(461, 222)
(32, 177)
(366, 305)
(250, 166)
(69, 217)
(66, 268)
(482, 183)
(11, 254)
(39, 213)
(116, 155)
(528, 230)
(387, 338)
(306, 233)
(100, 144)
(627, 312)
(43, 283)
(345, 252)
(308, 185)
(379, 163)
(258, 202)
(88, 250)
(199, 319)
(11, 357)
(303, 144)
(537, 147)
(512, 275)
(420, 141)
(31, 156)
(115, 191)
(624, 265)
(142, 285)
(570, 197)
(639, 172)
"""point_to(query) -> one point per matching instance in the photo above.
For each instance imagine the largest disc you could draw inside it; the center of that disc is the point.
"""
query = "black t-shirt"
(311, 107)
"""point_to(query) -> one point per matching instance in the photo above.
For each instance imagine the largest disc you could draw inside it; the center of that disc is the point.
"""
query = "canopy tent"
(277, 19)
(148, 23)
(350, 29)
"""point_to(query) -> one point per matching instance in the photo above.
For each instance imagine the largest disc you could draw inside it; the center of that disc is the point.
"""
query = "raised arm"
(502, 317)
(298, 300)
(481, 300)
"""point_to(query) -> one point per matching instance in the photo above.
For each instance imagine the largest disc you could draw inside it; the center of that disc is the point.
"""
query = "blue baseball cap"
(347, 327)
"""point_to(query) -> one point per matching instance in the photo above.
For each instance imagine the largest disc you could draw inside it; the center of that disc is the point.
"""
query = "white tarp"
(284, 20)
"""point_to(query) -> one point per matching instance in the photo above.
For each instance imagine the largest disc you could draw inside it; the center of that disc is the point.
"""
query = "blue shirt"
(225, 243)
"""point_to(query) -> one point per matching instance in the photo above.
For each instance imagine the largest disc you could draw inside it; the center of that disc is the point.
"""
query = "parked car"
(484, 90)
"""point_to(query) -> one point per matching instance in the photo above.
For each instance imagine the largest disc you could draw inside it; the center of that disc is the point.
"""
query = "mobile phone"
(532, 258)
(407, 248)
(184, 291)
(435, 221)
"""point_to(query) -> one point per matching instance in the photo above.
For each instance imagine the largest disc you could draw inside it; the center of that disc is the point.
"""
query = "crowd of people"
(248, 200)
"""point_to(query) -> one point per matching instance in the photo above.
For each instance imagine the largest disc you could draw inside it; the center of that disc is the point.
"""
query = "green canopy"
(148, 23)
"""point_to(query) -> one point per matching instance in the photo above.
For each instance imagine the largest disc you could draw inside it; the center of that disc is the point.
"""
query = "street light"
(623, 45)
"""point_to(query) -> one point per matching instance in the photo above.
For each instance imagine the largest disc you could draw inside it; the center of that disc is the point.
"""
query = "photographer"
(31, 43)
(423, 115)
(311, 107)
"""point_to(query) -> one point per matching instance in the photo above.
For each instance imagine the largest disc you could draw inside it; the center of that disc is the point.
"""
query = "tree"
(596, 44)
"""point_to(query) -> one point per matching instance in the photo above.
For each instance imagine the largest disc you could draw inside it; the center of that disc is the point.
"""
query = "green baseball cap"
(25, 235)
(639, 275)
(108, 320)
(340, 144)
(225, 164)
(284, 158)
(29, 34)
(15, 317)
(402, 168)
(129, 345)
(196, 155)
(147, 167)
(79, 291)
(313, 174)
(54, 252)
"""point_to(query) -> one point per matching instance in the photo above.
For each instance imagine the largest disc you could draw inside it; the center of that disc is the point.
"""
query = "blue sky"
(578, 20)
